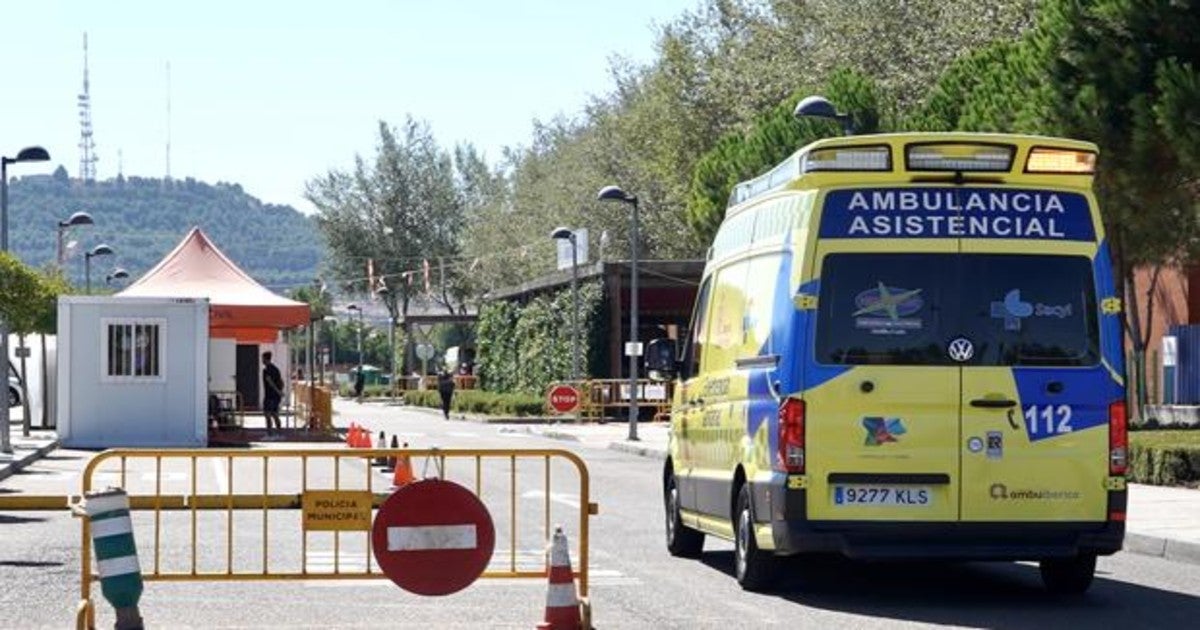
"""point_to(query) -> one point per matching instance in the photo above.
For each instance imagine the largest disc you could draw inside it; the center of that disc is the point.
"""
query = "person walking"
(446, 389)
(272, 394)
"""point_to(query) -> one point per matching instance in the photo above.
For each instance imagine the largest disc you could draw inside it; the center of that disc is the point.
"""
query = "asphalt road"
(634, 583)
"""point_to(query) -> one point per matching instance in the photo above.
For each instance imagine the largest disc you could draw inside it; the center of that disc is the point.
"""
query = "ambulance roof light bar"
(820, 107)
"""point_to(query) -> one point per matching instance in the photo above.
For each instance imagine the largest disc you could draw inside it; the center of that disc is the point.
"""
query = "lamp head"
(820, 107)
(78, 218)
(563, 233)
(100, 250)
(30, 154)
(119, 274)
(615, 193)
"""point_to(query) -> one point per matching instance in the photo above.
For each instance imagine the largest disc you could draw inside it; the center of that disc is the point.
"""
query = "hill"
(144, 218)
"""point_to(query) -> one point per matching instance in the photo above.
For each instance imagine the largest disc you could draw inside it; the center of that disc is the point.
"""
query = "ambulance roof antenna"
(820, 107)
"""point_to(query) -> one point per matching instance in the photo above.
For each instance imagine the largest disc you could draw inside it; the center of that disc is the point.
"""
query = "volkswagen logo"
(961, 350)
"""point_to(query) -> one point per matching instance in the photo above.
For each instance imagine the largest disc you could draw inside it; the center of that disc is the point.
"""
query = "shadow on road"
(31, 564)
(990, 595)
(6, 519)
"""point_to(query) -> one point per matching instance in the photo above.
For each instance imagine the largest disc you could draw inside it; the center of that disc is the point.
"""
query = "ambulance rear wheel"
(1069, 576)
(682, 541)
(754, 566)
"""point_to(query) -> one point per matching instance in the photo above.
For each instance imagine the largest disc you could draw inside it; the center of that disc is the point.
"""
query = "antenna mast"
(87, 145)
(168, 120)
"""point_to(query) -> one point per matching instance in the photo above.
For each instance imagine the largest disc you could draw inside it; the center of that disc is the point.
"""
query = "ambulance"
(904, 346)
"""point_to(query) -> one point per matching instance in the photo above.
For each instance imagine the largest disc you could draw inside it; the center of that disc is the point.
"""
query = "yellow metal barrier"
(313, 407)
(602, 399)
(189, 507)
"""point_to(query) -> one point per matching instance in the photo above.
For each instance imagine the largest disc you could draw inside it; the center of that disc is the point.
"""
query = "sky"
(271, 94)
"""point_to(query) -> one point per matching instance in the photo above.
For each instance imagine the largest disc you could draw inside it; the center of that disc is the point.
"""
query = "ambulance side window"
(695, 340)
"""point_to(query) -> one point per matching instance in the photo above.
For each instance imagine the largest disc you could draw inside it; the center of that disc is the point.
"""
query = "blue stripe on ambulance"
(764, 405)
(1043, 414)
(1111, 336)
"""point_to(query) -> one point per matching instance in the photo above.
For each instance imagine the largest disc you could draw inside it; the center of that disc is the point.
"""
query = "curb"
(638, 449)
(16, 465)
(1159, 547)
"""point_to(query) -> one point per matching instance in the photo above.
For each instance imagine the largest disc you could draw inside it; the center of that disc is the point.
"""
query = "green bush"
(1164, 458)
(479, 401)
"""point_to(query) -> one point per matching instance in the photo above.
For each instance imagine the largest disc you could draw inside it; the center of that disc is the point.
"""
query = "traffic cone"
(352, 435)
(562, 604)
(391, 461)
(381, 460)
(403, 474)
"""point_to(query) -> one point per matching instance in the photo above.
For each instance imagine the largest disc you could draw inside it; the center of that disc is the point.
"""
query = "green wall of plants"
(521, 348)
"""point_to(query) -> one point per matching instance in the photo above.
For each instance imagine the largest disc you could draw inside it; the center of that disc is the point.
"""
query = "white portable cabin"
(132, 372)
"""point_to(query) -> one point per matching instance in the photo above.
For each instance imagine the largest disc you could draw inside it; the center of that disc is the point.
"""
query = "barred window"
(133, 349)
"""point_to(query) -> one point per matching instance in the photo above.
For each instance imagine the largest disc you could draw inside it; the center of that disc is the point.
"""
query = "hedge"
(479, 401)
(1164, 458)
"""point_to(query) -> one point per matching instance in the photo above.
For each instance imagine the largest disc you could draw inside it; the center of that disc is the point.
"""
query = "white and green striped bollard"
(116, 553)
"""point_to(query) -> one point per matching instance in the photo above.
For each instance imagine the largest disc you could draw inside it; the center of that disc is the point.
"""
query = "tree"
(1120, 73)
(776, 135)
(29, 304)
(385, 220)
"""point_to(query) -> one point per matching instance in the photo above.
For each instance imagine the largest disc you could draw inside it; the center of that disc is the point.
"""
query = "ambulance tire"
(754, 567)
(1069, 576)
(682, 541)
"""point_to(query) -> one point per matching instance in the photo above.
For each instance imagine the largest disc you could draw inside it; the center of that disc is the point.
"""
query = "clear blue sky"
(270, 94)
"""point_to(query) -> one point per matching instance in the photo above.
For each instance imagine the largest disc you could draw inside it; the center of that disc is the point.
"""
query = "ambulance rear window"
(904, 309)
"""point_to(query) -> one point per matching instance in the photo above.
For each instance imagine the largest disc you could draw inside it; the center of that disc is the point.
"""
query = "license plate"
(918, 496)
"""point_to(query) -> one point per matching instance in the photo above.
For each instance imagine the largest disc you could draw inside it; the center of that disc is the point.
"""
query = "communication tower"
(87, 145)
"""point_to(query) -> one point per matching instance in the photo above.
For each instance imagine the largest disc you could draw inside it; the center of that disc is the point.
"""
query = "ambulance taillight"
(791, 436)
(1118, 439)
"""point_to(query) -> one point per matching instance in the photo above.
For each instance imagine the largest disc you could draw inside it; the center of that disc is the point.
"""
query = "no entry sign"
(563, 398)
(433, 537)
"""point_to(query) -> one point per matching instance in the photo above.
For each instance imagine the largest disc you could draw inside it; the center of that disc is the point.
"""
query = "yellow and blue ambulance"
(905, 346)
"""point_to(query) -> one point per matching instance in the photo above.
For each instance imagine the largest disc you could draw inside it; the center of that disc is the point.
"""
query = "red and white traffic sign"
(433, 537)
(564, 398)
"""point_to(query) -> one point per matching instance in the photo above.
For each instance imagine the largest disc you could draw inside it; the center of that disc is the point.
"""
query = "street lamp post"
(613, 193)
(78, 218)
(355, 307)
(99, 250)
(384, 292)
(28, 154)
(566, 234)
(332, 353)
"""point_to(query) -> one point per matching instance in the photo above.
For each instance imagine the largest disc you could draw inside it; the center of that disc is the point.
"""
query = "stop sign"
(433, 537)
(564, 398)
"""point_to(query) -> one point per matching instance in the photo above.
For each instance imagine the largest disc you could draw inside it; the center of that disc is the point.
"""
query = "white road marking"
(571, 500)
(465, 434)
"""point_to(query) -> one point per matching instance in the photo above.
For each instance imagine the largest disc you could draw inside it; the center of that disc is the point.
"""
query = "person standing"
(446, 389)
(272, 394)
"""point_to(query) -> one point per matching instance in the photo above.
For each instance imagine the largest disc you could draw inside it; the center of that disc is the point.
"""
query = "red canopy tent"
(240, 308)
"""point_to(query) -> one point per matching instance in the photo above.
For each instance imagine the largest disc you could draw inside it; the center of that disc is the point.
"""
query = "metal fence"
(193, 511)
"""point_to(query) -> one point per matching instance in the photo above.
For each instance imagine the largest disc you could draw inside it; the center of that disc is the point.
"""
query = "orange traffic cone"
(352, 435)
(562, 604)
(403, 474)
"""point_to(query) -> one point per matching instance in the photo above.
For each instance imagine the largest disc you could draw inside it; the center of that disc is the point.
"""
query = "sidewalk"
(26, 450)
(1162, 522)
